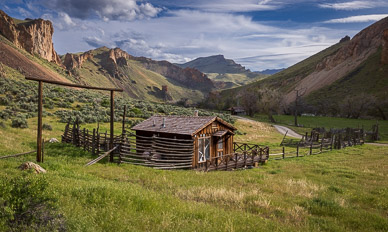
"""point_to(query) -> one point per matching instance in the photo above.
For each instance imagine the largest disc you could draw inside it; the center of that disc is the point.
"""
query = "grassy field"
(336, 191)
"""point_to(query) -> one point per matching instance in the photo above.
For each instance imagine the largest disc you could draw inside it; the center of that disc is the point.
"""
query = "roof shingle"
(184, 125)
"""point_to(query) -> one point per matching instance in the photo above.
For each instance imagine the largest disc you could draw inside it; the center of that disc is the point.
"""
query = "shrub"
(47, 127)
(19, 122)
(26, 205)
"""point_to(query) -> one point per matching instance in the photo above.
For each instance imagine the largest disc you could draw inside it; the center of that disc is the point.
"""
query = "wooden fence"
(252, 155)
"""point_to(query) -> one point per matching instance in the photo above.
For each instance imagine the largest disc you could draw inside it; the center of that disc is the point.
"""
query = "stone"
(30, 165)
(53, 140)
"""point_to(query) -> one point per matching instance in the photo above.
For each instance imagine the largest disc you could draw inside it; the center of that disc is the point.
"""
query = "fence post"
(311, 148)
(83, 138)
(321, 145)
(236, 160)
(87, 141)
(245, 159)
(94, 142)
(216, 159)
(42, 151)
(297, 150)
(283, 152)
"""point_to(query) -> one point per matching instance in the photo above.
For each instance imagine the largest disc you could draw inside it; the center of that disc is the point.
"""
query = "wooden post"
(297, 150)
(39, 137)
(84, 139)
(124, 115)
(42, 150)
(94, 142)
(321, 145)
(236, 160)
(311, 148)
(332, 140)
(111, 123)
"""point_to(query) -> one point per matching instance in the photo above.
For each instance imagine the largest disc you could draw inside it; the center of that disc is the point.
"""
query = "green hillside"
(231, 80)
(371, 77)
(138, 82)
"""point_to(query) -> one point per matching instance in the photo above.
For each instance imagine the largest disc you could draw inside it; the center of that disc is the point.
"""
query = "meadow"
(336, 191)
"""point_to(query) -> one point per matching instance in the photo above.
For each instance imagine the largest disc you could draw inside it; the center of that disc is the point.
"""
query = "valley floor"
(342, 190)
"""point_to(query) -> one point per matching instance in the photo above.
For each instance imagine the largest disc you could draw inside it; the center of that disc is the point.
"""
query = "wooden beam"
(39, 137)
(112, 102)
(72, 85)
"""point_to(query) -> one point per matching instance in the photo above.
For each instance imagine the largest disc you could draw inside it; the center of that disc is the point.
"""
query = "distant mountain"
(224, 72)
(26, 47)
(347, 69)
(215, 64)
(270, 71)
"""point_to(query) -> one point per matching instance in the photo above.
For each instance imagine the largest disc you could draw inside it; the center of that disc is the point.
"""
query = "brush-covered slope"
(27, 47)
(226, 73)
(350, 66)
(114, 67)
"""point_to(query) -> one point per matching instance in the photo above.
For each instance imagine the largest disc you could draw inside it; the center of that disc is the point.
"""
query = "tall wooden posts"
(39, 137)
(124, 115)
(112, 106)
(40, 106)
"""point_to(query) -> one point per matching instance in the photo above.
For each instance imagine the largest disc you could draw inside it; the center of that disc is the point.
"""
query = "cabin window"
(220, 144)
(203, 149)
(220, 148)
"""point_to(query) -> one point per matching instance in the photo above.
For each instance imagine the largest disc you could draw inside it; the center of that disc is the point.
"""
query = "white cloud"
(354, 5)
(358, 18)
(125, 10)
(182, 35)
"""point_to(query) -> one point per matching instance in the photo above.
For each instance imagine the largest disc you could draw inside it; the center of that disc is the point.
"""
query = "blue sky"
(259, 34)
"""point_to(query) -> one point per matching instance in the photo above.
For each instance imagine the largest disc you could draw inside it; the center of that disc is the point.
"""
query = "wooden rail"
(101, 156)
(16, 155)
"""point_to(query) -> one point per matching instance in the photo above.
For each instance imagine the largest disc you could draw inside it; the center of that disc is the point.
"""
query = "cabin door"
(203, 149)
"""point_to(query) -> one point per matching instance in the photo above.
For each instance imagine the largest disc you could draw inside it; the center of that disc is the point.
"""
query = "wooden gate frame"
(39, 157)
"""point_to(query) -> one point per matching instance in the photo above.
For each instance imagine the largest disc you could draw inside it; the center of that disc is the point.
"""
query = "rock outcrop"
(34, 36)
(359, 48)
(384, 52)
(186, 76)
(72, 61)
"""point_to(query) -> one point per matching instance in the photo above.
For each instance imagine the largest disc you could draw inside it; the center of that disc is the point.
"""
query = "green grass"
(337, 191)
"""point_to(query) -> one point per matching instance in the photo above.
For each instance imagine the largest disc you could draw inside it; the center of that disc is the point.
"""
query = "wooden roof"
(184, 125)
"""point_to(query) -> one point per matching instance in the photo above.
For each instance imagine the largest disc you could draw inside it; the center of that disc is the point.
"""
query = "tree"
(249, 101)
(269, 102)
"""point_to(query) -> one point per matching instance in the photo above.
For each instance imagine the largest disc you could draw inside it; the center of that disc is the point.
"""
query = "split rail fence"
(319, 141)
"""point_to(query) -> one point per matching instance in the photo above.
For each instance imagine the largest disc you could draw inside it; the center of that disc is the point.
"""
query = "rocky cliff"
(215, 64)
(358, 48)
(72, 61)
(186, 76)
(34, 36)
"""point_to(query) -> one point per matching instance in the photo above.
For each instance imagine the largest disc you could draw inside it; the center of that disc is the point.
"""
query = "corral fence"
(319, 141)
(159, 152)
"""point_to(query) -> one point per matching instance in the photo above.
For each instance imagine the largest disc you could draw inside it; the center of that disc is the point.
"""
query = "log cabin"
(208, 137)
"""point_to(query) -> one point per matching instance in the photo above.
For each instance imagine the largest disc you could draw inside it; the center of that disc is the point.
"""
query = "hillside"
(27, 47)
(348, 68)
(226, 73)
